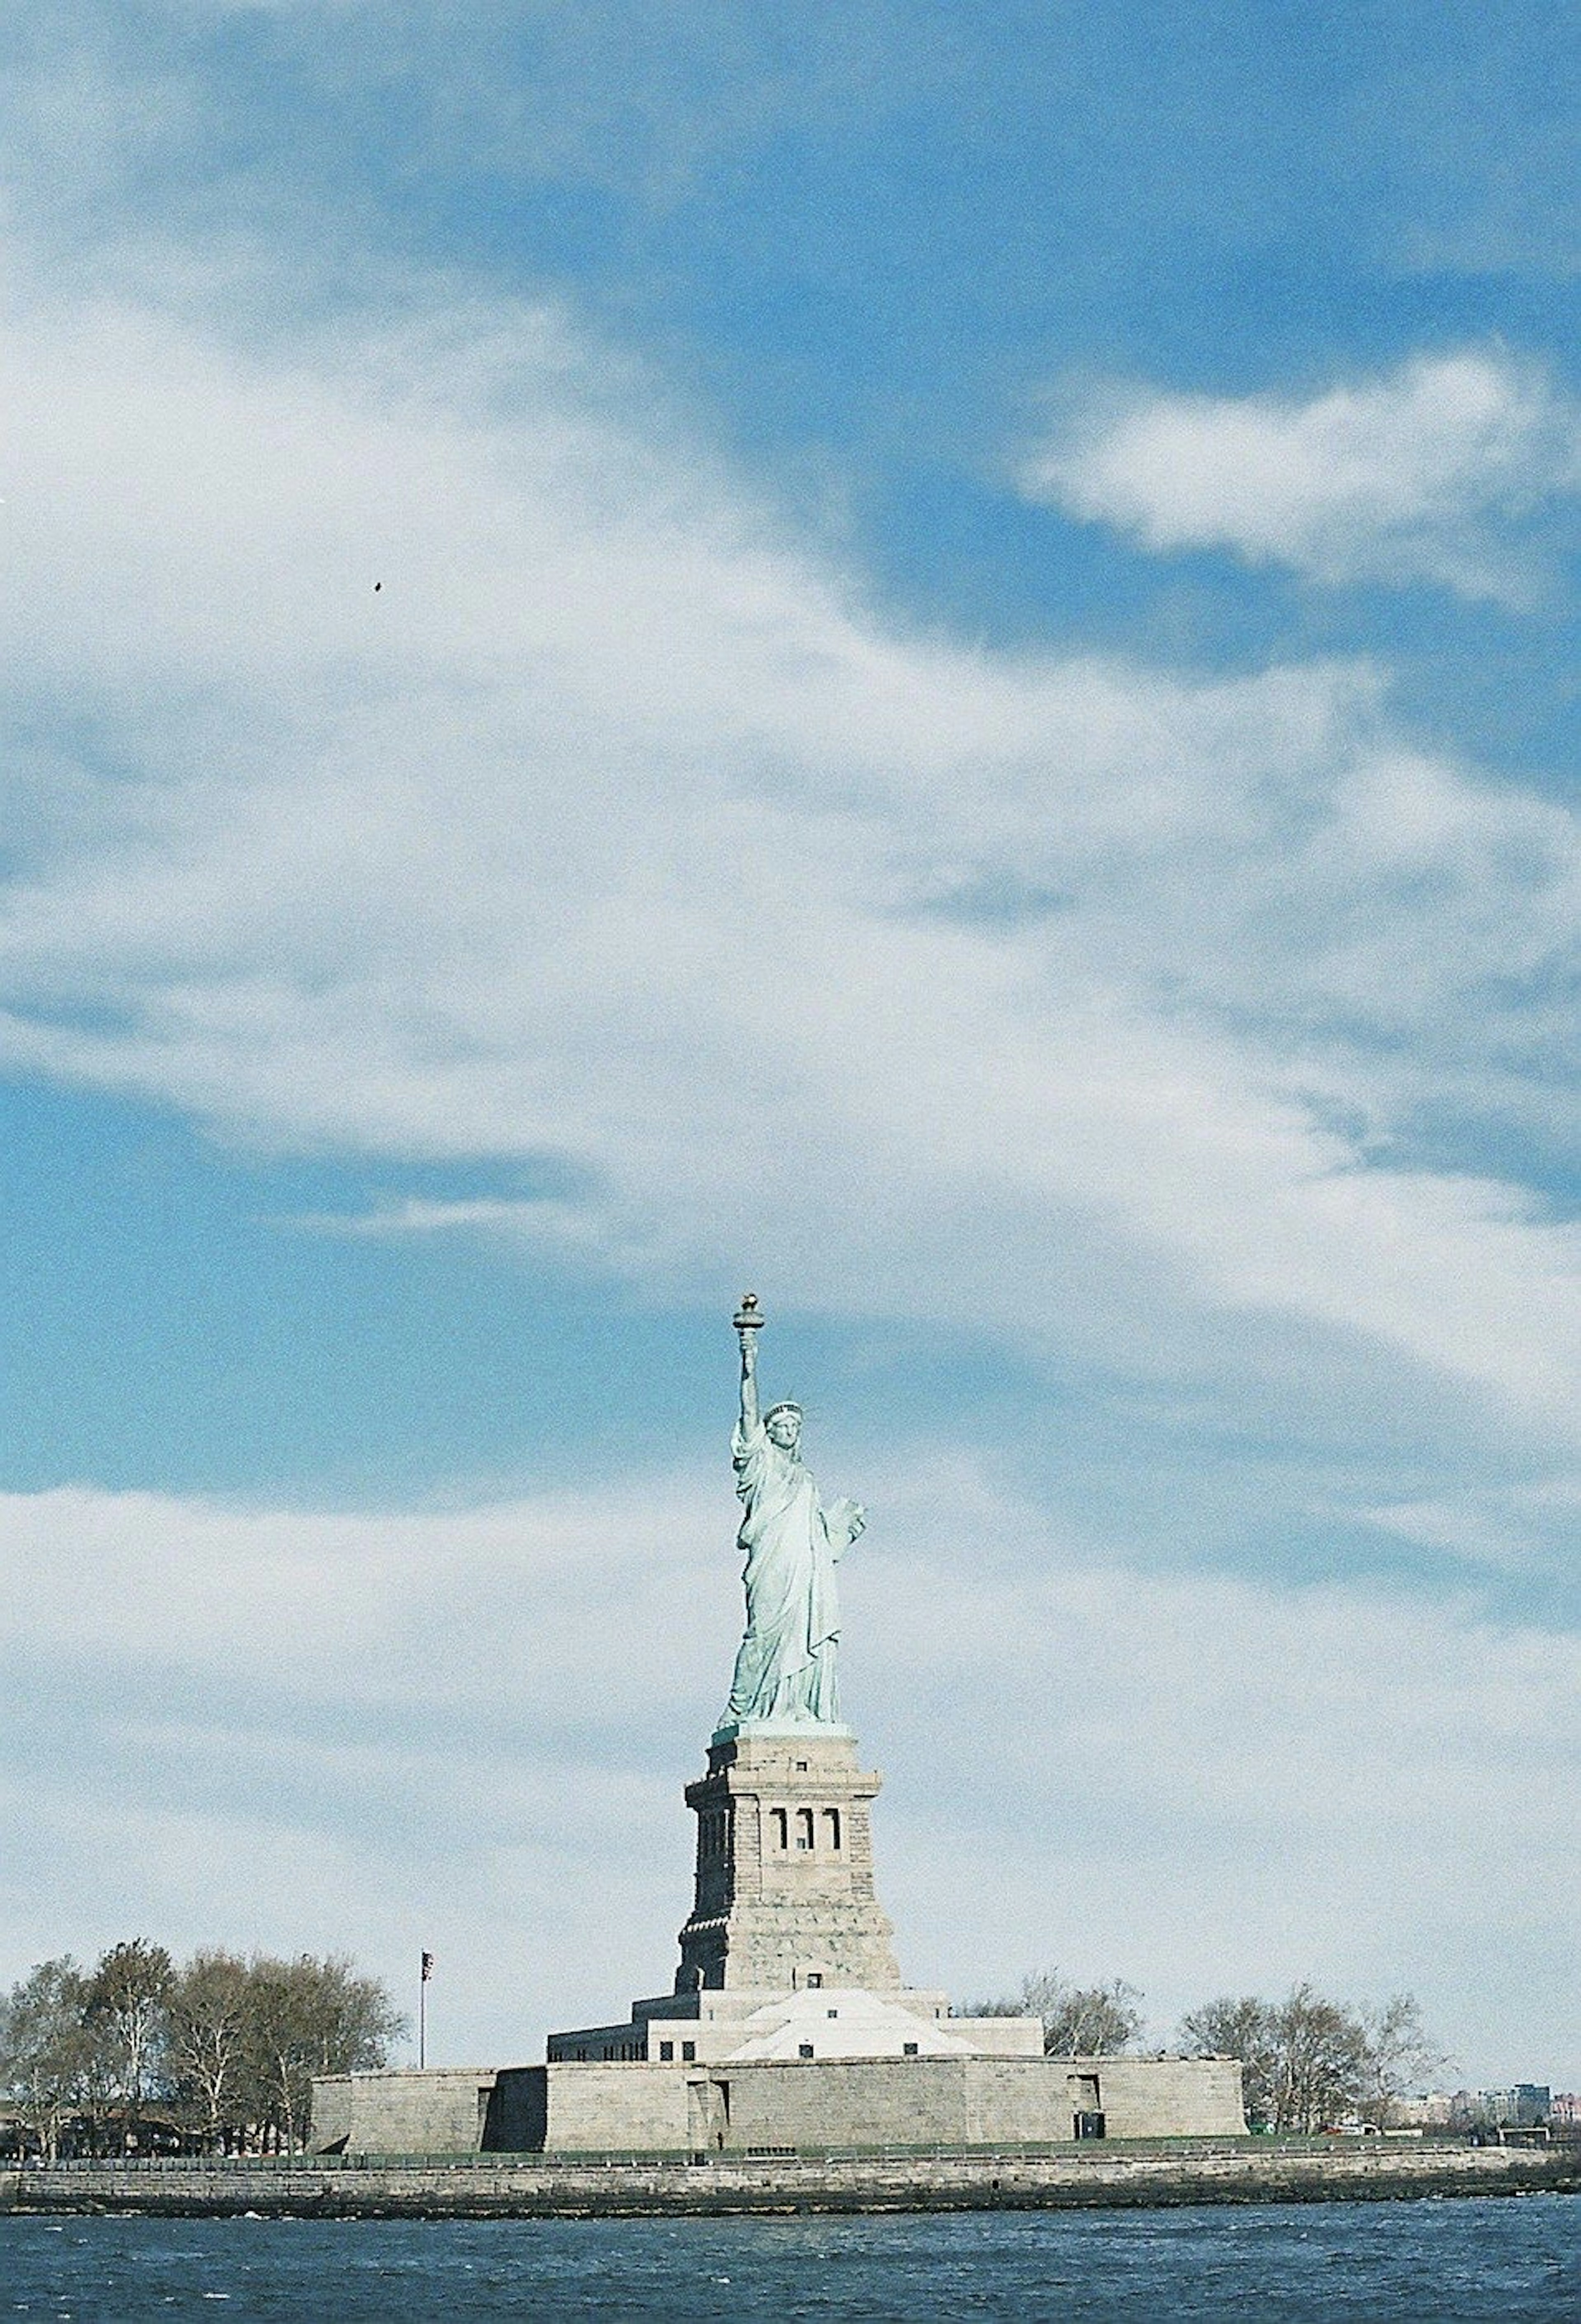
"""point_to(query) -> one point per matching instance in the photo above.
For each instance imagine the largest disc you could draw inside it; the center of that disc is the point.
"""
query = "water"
(1516, 2259)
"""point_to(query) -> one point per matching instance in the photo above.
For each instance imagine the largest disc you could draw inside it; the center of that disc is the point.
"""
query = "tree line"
(1307, 2062)
(217, 2052)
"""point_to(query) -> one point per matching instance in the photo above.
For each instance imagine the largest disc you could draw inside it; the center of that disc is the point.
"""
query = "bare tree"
(1308, 2063)
(1400, 2054)
(1245, 2029)
(234, 2043)
(48, 2061)
(1321, 2066)
(1079, 2021)
(309, 2017)
(208, 2020)
(1083, 2021)
(125, 2004)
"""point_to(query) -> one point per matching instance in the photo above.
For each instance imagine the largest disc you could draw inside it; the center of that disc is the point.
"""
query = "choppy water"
(1516, 2259)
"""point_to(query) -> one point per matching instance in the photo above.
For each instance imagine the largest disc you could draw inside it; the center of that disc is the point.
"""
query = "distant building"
(1521, 2107)
(1565, 2110)
(1427, 2110)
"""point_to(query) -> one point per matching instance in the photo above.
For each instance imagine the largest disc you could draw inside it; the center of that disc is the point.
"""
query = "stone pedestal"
(784, 1897)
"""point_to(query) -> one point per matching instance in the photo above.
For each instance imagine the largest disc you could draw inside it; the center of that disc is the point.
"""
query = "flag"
(428, 1966)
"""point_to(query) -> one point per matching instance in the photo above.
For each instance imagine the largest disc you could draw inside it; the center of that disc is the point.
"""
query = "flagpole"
(426, 1972)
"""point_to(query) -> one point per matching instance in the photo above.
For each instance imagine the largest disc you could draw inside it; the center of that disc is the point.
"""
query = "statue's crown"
(787, 1406)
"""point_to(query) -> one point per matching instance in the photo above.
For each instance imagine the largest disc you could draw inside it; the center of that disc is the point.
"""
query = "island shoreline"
(535, 2187)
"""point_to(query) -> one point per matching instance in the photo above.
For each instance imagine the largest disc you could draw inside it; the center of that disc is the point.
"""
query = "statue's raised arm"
(785, 1669)
(748, 1324)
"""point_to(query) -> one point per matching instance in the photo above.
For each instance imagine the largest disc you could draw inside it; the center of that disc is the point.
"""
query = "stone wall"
(873, 2102)
(518, 2120)
(618, 2109)
(1164, 2097)
(731, 2107)
(968, 2101)
(441, 2110)
(1099, 2175)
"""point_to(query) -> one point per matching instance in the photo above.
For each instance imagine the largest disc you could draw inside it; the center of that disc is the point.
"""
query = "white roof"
(844, 2021)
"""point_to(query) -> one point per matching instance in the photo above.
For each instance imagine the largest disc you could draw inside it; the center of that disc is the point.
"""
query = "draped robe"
(784, 1668)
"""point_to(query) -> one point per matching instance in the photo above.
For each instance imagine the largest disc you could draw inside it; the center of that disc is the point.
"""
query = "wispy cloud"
(1424, 475)
(1512, 1532)
(414, 1214)
(611, 828)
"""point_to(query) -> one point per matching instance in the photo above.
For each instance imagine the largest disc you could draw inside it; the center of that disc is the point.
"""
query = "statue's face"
(783, 1430)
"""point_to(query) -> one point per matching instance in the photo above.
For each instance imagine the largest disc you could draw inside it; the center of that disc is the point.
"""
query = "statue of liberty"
(784, 1668)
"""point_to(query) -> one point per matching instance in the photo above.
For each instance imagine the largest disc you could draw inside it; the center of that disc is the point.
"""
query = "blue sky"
(968, 717)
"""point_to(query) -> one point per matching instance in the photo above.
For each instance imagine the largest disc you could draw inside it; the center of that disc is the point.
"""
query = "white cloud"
(1416, 477)
(1026, 995)
(471, 1728)
(1530, 1529)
